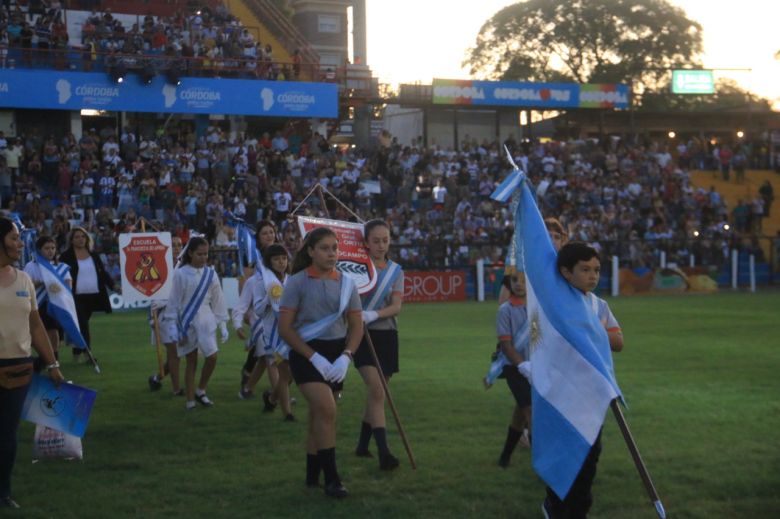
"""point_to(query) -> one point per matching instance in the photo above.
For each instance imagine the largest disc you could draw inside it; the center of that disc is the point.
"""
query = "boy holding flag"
(572, 377)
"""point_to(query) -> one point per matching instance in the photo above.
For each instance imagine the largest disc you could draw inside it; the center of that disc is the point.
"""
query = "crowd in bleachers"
(630, 200)
(207, 41)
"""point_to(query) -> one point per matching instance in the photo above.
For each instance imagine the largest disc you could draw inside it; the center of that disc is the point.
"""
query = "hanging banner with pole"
(353, 258)
(146, 265)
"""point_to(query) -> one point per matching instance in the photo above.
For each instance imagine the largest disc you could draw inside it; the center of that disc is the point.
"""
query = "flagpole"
(374, 356)
(640, 465)
(155, 323)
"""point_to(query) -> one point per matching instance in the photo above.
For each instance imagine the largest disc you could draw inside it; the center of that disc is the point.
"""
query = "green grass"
(699, 374)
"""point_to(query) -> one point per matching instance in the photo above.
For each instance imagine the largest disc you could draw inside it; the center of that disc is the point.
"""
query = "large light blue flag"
(573, 380)
(59, 301)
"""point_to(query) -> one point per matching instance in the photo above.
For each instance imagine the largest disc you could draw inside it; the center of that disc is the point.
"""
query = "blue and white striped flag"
(573, 380)
(28, 237)
(60, 304)
(247, 246)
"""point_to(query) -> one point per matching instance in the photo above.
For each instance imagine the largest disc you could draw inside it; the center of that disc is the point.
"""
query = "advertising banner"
(353, 258)
(92, 90)
(529, 94)
(425, 286)
(65, 408)
(146, 265)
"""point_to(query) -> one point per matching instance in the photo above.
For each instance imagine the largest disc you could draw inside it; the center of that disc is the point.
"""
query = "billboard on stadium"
(61, 90)
(430, 286)
(529, 94)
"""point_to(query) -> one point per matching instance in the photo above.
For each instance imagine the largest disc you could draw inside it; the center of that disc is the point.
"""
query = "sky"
(413, 41)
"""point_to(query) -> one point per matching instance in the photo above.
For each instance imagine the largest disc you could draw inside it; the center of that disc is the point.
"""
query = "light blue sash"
(257, 331)
(520, 340)
(384, 283)
(195, 302)
(313, 330)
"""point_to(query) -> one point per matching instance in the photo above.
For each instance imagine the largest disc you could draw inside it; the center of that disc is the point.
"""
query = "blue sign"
(65, 408)
(529, 94)
(79, 90)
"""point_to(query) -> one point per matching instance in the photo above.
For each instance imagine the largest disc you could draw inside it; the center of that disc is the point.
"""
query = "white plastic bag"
(53, 444)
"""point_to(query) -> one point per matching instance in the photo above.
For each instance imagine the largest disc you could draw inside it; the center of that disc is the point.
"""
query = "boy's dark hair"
(43, 240)
(574, 252)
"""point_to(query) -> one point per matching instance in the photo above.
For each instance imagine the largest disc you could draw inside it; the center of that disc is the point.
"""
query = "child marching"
(45, 262)
(197, 305)
(381, 307)
(320, 319)
(512, 364)
(169, 335)
(268, 297)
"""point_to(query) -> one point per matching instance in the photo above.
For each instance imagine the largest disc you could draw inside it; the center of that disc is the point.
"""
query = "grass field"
(700, 375)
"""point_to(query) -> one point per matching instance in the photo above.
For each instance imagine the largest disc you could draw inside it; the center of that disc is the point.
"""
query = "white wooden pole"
(480, 280)
(615, 277)
(734, 260)
(752, 273)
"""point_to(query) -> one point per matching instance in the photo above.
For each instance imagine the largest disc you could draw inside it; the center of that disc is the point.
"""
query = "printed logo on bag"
(145, 266)
(52, 403)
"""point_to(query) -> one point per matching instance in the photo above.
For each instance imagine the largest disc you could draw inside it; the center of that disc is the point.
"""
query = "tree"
(596, 41)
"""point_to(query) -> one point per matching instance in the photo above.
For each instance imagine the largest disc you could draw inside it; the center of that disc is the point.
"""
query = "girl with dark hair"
(90, 281)
(21, 331)
(320, 319)
(265, 236)
(47, 247)
(266, 299)
(197, 304)
(381, 307)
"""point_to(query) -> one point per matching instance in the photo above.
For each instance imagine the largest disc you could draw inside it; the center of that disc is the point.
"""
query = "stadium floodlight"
(726, 227)
(146, 75)
(672, 134)
(740, 134)
(696, 233)
(117, 72)
(173, 75)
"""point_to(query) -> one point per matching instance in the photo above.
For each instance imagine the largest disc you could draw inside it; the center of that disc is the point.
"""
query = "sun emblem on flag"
(536, 331)
(54, 288)
(276, 292)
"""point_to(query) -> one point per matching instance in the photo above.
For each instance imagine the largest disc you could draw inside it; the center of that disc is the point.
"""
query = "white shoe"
(190, 405)
(525, 441)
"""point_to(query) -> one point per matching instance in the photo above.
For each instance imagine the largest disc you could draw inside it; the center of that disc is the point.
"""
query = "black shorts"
(49, 323)
(386, 346)
(304, 371)
(518, 385)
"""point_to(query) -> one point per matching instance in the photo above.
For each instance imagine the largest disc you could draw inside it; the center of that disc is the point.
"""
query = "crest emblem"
(536, 331)
(145, 266)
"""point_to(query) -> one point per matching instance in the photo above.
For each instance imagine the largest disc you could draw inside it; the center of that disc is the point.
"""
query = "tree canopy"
(596, 41)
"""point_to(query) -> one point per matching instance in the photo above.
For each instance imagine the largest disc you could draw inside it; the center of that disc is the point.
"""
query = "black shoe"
(245, 394)
(290, 418)
(503, 461)
(363, 453)
(244, 379)
(547, 510)
(268, 406)
(154, 383)
(388, 462)
(203, 400)
(336, 489)
(7, 502)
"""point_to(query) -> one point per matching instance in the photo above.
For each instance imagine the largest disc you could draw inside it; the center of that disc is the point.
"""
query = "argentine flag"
(247, 247)
(573, 380)
(60, 304)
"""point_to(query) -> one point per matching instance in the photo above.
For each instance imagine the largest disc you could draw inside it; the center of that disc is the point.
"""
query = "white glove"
(525, 369)
(339, 370)
(321, 364)
(369, 316)
(223, 332)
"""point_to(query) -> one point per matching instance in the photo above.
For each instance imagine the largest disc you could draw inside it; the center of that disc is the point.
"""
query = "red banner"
(424, 286)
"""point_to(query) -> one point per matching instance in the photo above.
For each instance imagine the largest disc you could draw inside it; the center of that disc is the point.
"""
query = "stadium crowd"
(207, 41)
(631, 200)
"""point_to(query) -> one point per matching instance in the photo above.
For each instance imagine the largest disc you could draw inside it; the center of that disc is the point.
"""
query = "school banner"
(530, 94)
(146, 265)
(353, 257)
(63, 90)
(65, 408)
(428, 286)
